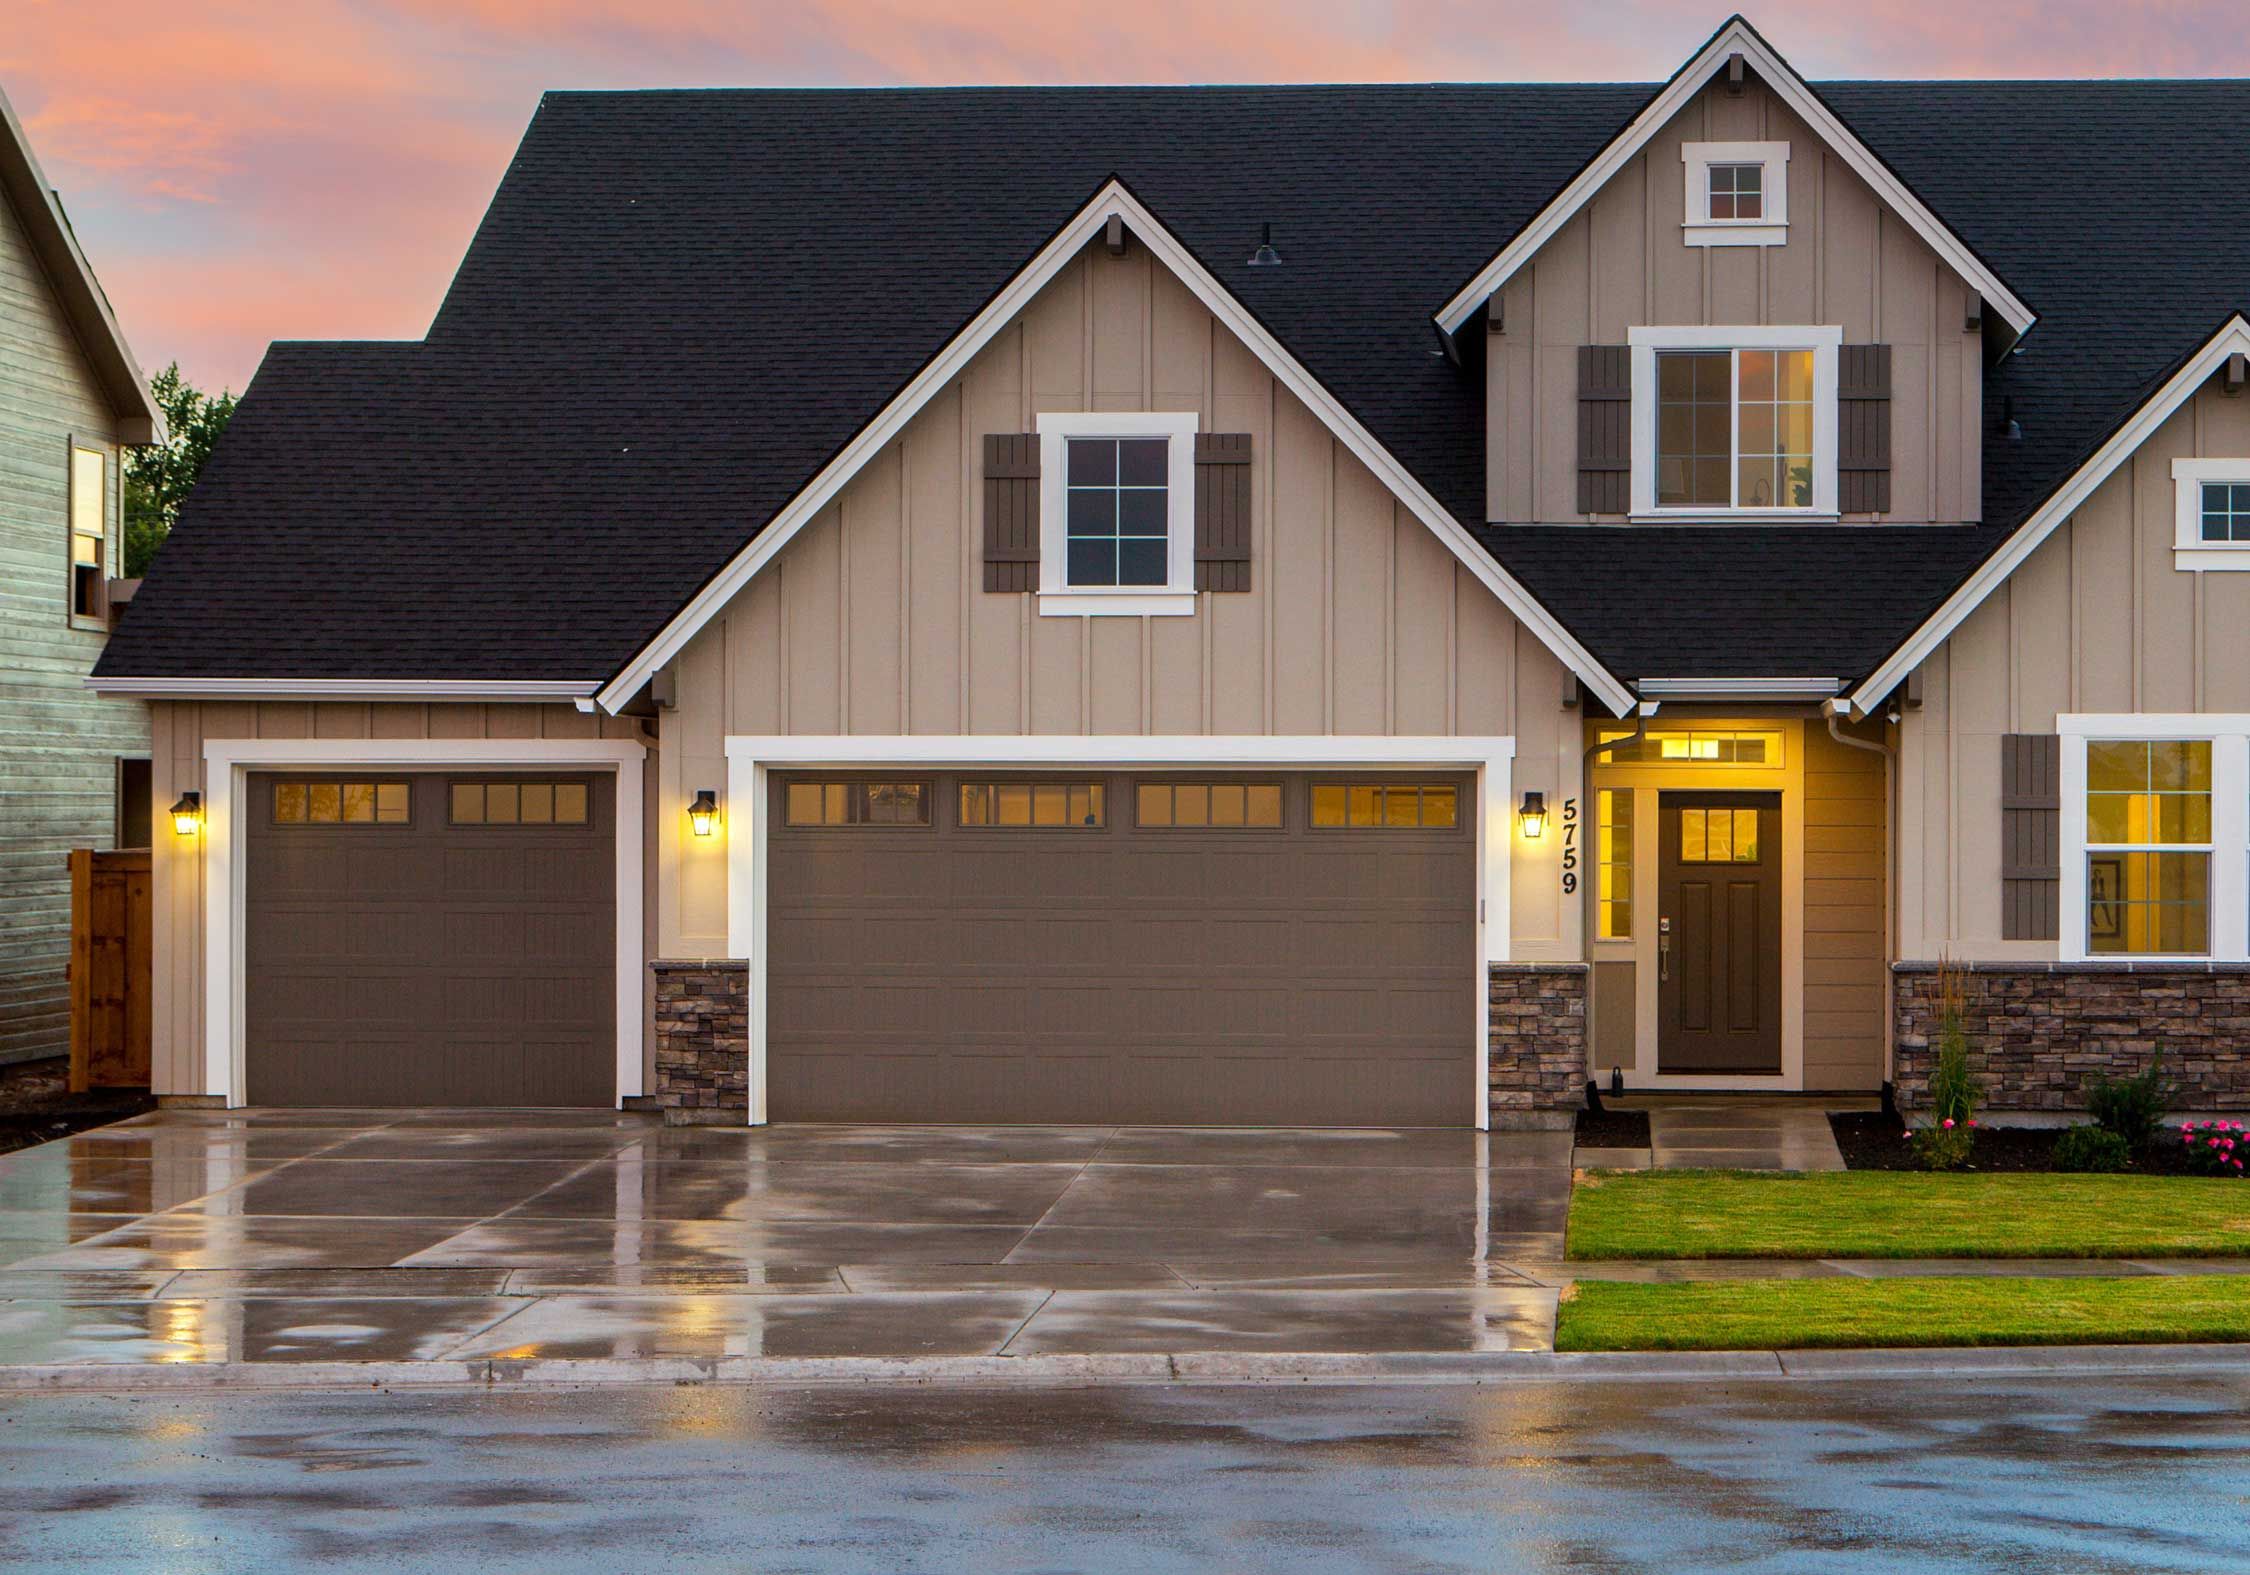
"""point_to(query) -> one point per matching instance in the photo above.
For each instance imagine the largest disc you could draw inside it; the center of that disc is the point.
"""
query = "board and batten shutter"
(1605, 429)
(1222, 511)
(1011, 511)
(2030, 836)
(1863, 429)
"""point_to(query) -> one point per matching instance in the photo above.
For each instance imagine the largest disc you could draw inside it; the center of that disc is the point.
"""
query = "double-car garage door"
(988, 947)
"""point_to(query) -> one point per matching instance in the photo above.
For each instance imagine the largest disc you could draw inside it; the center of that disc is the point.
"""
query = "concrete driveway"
(301, 1236)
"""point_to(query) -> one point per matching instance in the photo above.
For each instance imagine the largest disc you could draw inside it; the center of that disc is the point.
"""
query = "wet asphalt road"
(1950, 1475)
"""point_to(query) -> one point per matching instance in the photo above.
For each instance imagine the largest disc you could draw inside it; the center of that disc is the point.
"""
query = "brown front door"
(1719, 933)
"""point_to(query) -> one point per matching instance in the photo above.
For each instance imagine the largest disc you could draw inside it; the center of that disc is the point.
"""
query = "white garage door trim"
(749, 758)
(228, 761)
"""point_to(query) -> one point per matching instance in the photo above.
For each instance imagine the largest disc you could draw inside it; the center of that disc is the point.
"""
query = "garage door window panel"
(855, 804)
(342, 803)
(1028, 805)
(1387, 806)
(1208, 806)
(519, 803)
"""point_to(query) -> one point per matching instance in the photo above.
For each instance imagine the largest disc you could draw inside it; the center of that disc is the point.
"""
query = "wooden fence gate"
(110, 969)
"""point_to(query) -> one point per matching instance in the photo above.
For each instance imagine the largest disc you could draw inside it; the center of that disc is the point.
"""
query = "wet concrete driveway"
(280, 1236)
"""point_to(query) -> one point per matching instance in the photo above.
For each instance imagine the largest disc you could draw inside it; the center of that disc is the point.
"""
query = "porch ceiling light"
(703, 811)
(187, 814)
(1532, 817)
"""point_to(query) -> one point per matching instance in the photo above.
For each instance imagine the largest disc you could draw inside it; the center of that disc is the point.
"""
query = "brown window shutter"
(1011, 511)
(2030, 836)
(1222, 511)
(1605, 429)
(1863, 429)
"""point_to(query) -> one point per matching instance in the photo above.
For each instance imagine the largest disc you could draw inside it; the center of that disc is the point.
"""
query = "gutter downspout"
(1588, 923)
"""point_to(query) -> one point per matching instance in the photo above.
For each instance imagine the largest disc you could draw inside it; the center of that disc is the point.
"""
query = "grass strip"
(1896, 1214)
(1769, 1315)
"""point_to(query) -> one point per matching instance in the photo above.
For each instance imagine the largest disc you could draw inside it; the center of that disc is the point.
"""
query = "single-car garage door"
(417, 939)
(1255, 949)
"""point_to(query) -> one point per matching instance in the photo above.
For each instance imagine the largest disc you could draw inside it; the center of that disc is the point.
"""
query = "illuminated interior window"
(342, 803)
(1694, 747)
(1221, 805)
(858, 804)
(2148, 846)
(1390, 805)
(1033, 804)
(89, 531)
(1734, 429)
(1615, 857)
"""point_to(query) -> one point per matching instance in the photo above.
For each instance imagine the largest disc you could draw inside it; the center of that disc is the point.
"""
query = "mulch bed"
(1874, 1141)
(1612, 1128)
(37, 1106)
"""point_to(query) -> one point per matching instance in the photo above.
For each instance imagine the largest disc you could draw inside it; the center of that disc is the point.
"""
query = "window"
(1737, 193)
(2148, 846)
(1116, 513)
(1390, 805)
(1208, 804)
(89, 532)
(1032, 804)
(519, 803)
(1725, 835)
(342, 803)
(858, 804)
(1736, 421)
(2212, 514)
(1693, 747)
(1614, 855)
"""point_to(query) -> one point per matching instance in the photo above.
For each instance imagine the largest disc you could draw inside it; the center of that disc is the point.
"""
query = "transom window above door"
(1736, 422)
(1117, 512)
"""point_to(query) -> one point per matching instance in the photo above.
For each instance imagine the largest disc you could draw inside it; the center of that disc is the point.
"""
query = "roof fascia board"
(2063, 502)
(72, 278)
(1737, 36)
(1113, 199)
(530, 691)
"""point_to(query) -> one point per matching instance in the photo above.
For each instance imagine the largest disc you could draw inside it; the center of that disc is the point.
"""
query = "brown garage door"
(1247, 950)
(415, 939)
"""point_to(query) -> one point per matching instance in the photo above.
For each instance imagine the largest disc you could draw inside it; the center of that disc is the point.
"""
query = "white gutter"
(526, 691)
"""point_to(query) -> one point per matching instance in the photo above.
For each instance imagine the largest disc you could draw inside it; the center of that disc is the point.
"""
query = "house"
(74, 767)
(1353, 605)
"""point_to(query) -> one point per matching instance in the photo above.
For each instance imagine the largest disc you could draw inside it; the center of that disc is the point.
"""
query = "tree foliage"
(159, 475)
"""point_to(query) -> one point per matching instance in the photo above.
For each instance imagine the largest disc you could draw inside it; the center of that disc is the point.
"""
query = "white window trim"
(1058, 597)
(2190, 552)
(227, 763)
(746, 825)
(1698, 228)
(1822, 342)
(2230, 827)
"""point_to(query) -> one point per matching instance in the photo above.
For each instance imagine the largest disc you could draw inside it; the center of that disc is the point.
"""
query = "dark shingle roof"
(681, 304)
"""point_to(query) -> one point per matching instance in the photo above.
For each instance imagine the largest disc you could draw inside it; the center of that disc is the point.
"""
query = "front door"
(1719, 933)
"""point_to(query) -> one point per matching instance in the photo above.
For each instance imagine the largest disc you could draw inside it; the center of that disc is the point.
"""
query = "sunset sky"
(247, 170)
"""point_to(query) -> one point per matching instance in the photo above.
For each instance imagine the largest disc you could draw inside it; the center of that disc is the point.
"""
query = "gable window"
(89, 532)
(2211, 514)
(1737, 193)
(1117, 513)
(1735, 421)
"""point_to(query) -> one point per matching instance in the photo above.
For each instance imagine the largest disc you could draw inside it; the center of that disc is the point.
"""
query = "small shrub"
(1944, 1139)
(2131, 1107)
(2217, 1148)
(2092, 1147)
(1943, 1145)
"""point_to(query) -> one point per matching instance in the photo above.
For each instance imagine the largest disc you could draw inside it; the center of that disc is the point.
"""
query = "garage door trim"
(750, 758)
(227, 765)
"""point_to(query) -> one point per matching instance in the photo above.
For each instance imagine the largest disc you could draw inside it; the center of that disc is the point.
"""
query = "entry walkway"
(1741, 1132)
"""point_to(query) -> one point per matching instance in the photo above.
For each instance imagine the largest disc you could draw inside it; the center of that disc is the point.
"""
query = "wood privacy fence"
(110, 972)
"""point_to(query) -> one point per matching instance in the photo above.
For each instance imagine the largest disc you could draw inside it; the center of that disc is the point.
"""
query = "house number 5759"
(1569, 846)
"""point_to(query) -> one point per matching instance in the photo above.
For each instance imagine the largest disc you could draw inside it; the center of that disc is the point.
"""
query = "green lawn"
(1763, 1315)
(1904, 1214)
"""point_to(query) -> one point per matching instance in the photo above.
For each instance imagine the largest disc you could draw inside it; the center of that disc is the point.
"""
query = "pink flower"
(1948, 1123)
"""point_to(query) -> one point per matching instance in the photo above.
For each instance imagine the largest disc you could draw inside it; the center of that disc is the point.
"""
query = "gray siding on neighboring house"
(1622, 263)
(59, 743)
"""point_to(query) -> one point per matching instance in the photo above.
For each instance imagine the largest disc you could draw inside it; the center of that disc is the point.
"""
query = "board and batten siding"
(1622, 263)
(59, 743)
(182, 727)
(2098, 618)
(875, 620)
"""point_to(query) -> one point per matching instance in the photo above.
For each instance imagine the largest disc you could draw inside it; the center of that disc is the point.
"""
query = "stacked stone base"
(702, 1041)
(1536, 1069)
(2038, 1031)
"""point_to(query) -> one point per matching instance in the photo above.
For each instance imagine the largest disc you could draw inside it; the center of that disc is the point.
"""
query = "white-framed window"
(1117, 513)
(2211, 514)
(2155, 814)
(1737, 193)
(89, 532)
(1735, 422)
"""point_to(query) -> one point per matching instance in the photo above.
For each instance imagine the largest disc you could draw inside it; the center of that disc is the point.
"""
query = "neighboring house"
(1325, 605)
(74, 766)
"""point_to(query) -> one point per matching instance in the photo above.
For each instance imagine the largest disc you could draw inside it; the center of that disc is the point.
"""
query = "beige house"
(971, 606)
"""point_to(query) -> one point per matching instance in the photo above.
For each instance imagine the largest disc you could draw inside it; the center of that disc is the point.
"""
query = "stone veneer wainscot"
(2037, 1031)
(1536, 1073)
(702, 1040)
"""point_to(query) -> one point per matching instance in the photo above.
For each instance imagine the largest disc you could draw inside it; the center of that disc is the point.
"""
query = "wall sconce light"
(703, 811)
(187, 814)
(1532, 817)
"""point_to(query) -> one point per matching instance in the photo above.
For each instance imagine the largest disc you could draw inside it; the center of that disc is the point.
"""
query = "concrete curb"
(1184, 1368)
